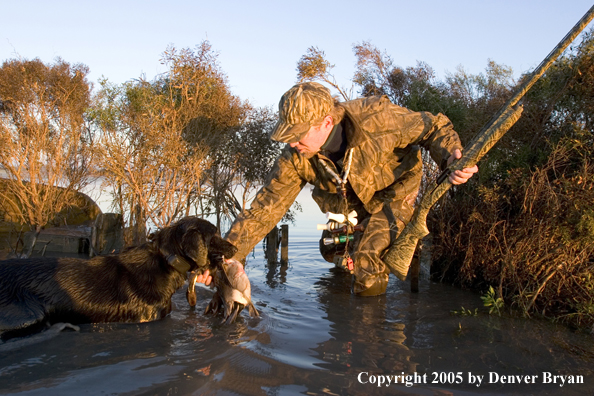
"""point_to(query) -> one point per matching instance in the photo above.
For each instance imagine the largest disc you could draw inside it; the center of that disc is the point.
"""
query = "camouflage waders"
(370, 275)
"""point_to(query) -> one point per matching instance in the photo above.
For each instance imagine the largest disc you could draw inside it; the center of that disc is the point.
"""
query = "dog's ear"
(195, 246)
(200, 238)
(212, 238)
(220, 246)
(205, 227)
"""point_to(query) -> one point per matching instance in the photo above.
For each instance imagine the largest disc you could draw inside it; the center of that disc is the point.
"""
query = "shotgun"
(400, 253)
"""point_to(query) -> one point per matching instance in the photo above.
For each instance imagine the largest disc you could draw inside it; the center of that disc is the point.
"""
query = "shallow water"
(314, 338)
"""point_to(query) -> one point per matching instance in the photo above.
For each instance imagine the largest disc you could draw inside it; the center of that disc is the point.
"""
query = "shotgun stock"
(400, 253)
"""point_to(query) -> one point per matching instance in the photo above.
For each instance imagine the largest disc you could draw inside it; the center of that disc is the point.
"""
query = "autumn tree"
(45, 148)
(152, 170)
(217, 116)
(161, 139)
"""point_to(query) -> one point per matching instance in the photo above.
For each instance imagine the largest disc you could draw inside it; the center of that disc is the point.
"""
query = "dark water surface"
(313, 338)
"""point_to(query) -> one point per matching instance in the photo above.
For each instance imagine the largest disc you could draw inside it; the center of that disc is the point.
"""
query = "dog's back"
(24, 285)
(135, 286)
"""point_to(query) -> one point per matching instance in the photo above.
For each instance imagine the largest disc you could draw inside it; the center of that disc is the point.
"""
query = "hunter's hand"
(204, 278)
(460, 176)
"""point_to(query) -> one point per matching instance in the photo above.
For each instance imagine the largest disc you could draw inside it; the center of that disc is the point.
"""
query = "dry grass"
(531, 236)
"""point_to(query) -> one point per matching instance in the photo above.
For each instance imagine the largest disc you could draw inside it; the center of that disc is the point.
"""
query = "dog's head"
(192, 239)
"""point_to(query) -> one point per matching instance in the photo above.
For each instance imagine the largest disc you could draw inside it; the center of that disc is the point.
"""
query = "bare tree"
(45, 148)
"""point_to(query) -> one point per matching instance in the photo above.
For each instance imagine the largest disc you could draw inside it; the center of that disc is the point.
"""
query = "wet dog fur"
(133, 286)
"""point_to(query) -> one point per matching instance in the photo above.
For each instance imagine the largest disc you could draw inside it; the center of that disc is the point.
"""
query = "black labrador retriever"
(133, 286)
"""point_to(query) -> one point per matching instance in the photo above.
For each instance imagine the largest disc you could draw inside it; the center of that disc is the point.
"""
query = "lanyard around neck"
(341, 181)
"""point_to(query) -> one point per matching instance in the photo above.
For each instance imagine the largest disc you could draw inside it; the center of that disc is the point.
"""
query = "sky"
(259, 42)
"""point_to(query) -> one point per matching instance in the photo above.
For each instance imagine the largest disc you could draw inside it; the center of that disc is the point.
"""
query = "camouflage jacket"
(386, 166)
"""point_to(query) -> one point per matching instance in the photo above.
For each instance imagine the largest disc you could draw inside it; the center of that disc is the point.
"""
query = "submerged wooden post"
(272, 245)
(284, 243)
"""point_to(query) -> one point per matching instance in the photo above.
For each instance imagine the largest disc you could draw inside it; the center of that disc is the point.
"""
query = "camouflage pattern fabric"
(385, 173)
(298, 108)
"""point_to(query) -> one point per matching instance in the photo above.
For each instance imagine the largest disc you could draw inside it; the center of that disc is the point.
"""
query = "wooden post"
(272, 245)
(284, 243)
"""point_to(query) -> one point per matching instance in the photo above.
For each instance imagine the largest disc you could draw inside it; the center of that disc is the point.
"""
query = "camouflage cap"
(298, 107)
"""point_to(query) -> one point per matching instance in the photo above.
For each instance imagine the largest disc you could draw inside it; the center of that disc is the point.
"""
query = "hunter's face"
(314, 139)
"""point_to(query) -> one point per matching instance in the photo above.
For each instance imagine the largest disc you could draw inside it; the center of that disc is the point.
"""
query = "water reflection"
(361, 336)
(276, 273)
